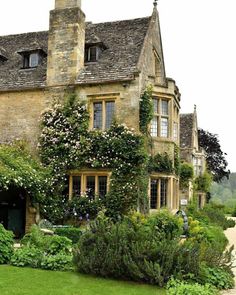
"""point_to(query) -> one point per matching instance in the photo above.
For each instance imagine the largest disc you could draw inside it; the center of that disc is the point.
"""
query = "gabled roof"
(186, 130)
(123, 41)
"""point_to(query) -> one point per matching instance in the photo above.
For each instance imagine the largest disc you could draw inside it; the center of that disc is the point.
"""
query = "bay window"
(160, 121)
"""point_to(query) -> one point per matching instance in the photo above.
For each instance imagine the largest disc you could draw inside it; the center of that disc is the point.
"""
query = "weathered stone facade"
(130, 59)
(191, 153)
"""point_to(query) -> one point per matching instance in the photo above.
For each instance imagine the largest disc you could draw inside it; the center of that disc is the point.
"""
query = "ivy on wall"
(161, 163)
(66, 143)
(146, 110)
(177, 164)
(186, 174)
(203, 182)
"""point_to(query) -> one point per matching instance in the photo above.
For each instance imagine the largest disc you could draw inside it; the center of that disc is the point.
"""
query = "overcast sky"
(199, 48)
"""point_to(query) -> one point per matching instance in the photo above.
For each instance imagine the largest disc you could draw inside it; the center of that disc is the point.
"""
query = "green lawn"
(28, 281)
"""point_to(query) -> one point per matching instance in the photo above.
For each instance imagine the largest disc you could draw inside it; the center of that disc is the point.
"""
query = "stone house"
(191, 153)
(108, 65)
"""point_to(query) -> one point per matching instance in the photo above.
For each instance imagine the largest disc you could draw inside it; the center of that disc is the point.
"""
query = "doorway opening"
(13, 211)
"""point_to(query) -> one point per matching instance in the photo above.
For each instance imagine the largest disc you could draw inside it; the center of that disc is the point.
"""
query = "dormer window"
(92, 53)
(32, 58)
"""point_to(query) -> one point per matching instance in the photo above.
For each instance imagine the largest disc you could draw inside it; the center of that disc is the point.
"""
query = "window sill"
(28, 69)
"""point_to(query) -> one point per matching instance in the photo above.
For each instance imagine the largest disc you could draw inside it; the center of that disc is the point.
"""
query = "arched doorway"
(13, 210)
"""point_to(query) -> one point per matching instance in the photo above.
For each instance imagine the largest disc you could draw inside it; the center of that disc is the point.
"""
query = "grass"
(28, 281)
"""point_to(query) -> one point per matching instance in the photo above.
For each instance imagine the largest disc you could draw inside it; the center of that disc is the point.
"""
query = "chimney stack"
(66, 42)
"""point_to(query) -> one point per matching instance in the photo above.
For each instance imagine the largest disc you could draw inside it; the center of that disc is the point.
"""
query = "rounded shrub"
(72, 233)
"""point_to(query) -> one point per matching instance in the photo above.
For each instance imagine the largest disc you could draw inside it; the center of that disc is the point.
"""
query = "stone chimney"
(66, 41)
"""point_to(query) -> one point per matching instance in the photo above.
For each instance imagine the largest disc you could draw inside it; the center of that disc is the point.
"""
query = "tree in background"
(215, 158)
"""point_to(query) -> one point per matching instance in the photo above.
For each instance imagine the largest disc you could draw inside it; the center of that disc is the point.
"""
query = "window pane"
(154, 127)
(154, 192)
(26, 61)
(110, 108)
(164, 107)
(97, 115)
(90, 186)
(102, 186)
(163, 200)
(155, 105)
(92, 54)
(164, 127)
(76, 185)
(34, 60)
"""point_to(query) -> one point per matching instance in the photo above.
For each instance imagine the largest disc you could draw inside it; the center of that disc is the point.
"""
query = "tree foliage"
(215, 157)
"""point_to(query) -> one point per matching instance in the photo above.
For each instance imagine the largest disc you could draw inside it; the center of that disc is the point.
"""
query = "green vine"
(176, 160)
(186, 174)
(66, 144)
(161, 163)
(146, 110)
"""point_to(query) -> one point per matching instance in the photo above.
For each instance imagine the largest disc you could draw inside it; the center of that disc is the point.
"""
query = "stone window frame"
(172, 199)
(84, 174)
(160, 203)
(101, 99)
(157, 129)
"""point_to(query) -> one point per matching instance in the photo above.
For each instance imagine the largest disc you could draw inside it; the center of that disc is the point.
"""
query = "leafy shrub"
(35, 238)
(72, 233)
(43, 251)
(230, 223)
(166, 224)
(56, 244)
(27, 256)
(217, 277)
(176, 287)
(49, 244)
(58, 261)
(139, 249)
(6, 244)
(211, 214)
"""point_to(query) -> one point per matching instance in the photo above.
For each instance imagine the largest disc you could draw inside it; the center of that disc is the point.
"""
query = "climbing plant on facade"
(146, 110)
(66, 143)
(18, 169)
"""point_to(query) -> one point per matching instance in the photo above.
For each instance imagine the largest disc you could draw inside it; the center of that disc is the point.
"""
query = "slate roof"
(123, 41)
(186, 130)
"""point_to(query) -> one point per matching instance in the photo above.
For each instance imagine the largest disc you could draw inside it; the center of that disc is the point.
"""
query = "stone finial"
(155, 3)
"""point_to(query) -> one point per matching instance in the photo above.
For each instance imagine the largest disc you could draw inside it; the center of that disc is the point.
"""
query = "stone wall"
(20, 113)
